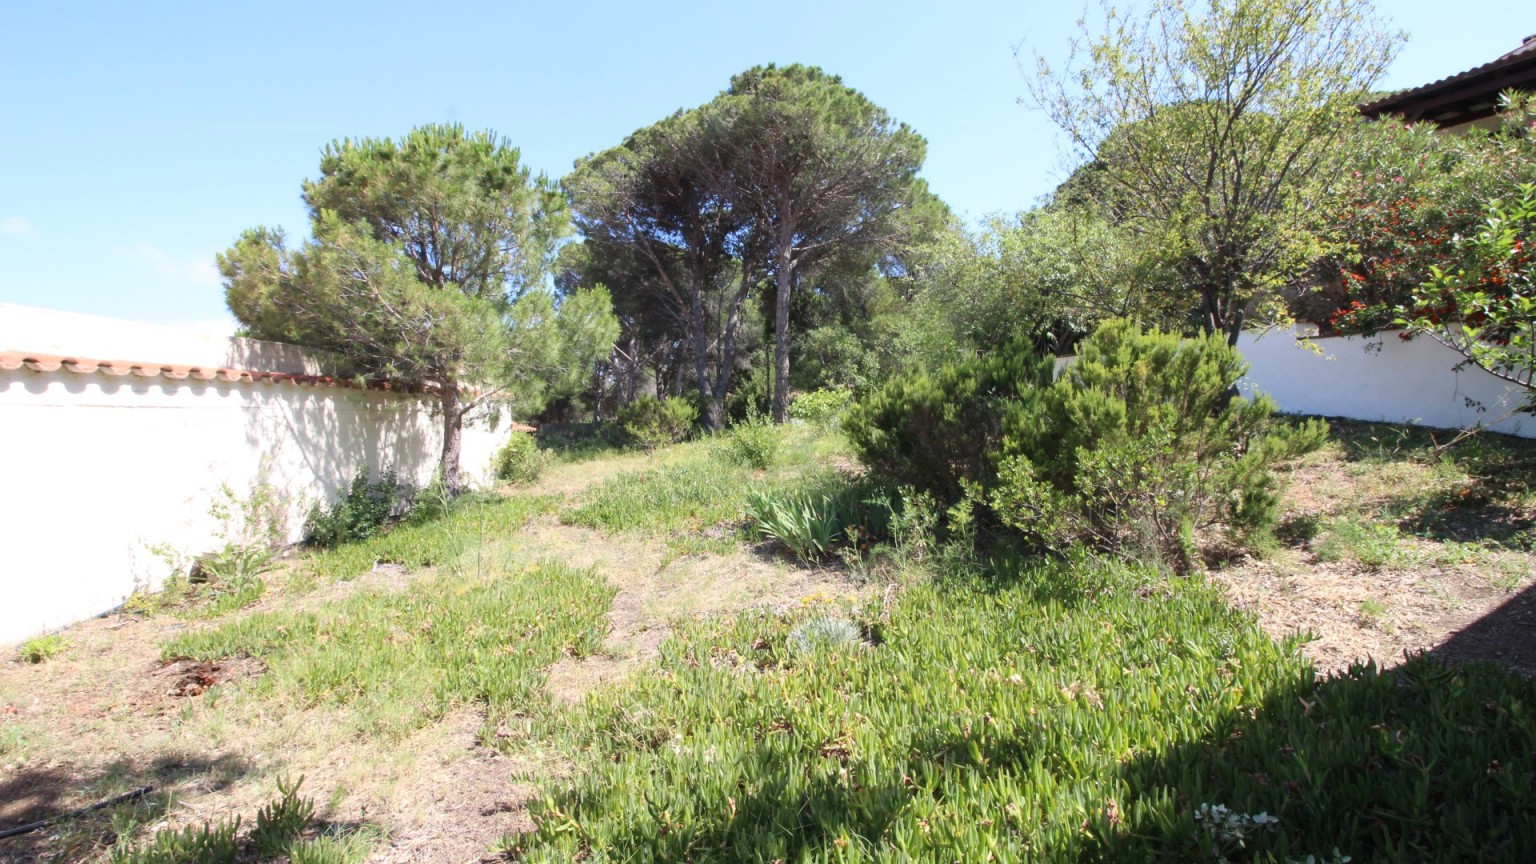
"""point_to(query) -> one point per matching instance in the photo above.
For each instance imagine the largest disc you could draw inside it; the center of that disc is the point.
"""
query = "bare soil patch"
(1390, 549)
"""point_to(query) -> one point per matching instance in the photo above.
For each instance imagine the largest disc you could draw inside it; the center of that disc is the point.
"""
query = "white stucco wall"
(1381, 378)
(95, 469)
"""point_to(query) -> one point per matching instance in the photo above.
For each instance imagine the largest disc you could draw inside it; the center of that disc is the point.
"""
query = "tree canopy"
(426, 266)
(1211, 131)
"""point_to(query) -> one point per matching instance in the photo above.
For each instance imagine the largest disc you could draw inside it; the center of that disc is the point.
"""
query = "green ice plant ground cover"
(1045, 712)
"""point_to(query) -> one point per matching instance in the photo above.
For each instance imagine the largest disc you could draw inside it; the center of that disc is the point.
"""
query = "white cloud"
(199, 270)
(15, 225)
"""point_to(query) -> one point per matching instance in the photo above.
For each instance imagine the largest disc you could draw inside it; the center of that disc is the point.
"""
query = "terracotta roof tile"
(38, 362)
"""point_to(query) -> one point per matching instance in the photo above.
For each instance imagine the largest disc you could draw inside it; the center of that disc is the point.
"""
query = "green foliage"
(279, 823)
(650, 422)
(690, 497)
(442, 542)
(359, 513)
(1131, 450)
(1053, 713)
(811, 519)
(520, 460)
(938, 432)
(1373, 544)
(1411, 194)
(1140, 443)
(399, 659)
(426, 267)
(1485, 309)
(822, 408)
(821, 171)
(40, 648)
(1256, 93)
(753, 443)
(205, 844)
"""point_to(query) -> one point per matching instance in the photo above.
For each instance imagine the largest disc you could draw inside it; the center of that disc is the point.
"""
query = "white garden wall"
(1381, 378)
(95, 468)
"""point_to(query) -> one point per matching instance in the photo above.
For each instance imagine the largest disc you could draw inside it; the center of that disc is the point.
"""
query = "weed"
(752, 443)
(1374, 544)
(660, 500)
(280, 823)
(205, 844)
(44, 647)
(359, 513)
(1373, 613)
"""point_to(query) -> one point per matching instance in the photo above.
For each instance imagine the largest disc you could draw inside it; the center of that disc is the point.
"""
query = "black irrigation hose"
(33, 826)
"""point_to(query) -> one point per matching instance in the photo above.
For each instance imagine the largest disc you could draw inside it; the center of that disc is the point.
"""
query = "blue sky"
(137, 140)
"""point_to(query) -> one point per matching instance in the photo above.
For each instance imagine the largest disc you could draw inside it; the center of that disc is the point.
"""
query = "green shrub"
(649, 422)
(1131, 450)
(823, 408)
(358, 514)
(754, 443)
(939, 432)
(519, 460)
(1140, 443)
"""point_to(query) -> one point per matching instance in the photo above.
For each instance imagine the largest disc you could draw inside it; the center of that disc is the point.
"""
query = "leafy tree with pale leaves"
(1211, 126)
(425, 267)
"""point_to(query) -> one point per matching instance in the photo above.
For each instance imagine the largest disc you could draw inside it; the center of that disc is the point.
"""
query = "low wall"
(96, 468)
(1381, 378)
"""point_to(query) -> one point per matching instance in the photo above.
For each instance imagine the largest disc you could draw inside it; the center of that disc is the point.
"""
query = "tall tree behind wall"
(1213, 129)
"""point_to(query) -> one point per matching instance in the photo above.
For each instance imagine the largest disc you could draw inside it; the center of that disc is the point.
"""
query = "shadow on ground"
(1432, 761)
(40, 792)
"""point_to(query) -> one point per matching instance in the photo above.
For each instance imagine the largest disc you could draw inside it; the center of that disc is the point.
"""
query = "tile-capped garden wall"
(101, 460)
(1382, 378)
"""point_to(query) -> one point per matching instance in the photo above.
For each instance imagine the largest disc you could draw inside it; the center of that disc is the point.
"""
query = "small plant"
(824, 634)
(205, 844)
(649, 422)
(754, 443)
(823, 408)
(280, 823)
(358, 514)
(1229, 832)
(1373, 544)
(41, 648)
(812, 520)
(519, 460)
(1373, 613)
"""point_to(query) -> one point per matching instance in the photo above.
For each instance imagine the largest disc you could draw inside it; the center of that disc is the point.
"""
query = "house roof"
(1465, 96)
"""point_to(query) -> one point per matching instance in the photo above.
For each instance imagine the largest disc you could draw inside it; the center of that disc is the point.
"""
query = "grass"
(1045, 714)
(397, 660)
(444, 542)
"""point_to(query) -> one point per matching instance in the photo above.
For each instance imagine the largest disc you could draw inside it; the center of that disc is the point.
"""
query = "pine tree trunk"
(783, 279)
(453, 439)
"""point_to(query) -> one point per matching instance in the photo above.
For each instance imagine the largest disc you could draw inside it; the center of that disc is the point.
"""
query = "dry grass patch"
(1389, 547)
